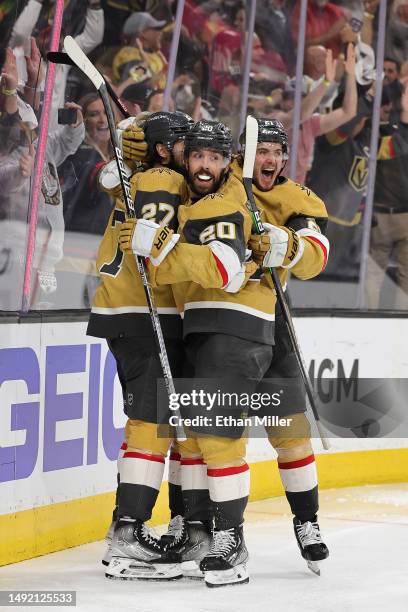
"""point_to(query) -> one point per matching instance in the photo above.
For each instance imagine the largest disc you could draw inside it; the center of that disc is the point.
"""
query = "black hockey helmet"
(209, 135)
(165, 128)
(270, 130)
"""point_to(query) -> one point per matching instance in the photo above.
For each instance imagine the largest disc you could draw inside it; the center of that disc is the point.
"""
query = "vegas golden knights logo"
(359, 173)
(161, 171)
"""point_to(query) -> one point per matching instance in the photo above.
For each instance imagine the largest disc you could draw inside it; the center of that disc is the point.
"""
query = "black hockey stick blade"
(58, 57)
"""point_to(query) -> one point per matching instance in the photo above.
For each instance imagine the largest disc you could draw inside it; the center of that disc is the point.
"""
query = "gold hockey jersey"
(292, 205)
(119, 307)
(222, 223)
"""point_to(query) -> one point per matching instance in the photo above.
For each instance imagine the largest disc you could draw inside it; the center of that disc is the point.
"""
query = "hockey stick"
(58, 57)
(83, 63)
(251, 142)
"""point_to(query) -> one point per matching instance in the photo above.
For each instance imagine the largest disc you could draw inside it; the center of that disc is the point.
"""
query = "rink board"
(61, 426)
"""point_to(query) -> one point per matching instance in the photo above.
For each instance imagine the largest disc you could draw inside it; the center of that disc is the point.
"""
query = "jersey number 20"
(222, 229)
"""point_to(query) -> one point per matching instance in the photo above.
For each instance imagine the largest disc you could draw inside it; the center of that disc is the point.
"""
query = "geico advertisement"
(61, 418)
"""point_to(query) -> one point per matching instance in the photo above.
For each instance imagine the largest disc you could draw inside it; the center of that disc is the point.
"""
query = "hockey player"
(289, 209)
(228, 335)
(293, 208)
(164, 132)
(120, 314)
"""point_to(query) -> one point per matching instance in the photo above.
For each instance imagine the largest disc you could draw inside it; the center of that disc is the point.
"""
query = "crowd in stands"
(129, 41)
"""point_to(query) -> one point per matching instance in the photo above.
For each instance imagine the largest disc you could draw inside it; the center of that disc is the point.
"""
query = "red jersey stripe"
(290, 465)
(136, 455)
(317, 241)
(228, 471)
(191, 461)
(124, 446)
(175, 456)
(221, 270)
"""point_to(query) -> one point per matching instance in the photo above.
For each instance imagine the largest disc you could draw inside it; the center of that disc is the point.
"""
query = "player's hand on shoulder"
(134, 145)
(147, 239)
(108, 179)
(132, 139)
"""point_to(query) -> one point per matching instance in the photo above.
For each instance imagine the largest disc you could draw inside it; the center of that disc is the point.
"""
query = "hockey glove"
(134, 145)
(108, 178)
(148, 239)
(131, 136)
(241, 278)
(279, 247)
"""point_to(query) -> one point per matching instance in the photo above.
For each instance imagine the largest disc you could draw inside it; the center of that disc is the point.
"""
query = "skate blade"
(314, 567)
(235, 575)
(191, 570)
(132, 569)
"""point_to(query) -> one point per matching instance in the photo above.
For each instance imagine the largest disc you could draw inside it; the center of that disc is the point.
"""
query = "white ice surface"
(366, 529)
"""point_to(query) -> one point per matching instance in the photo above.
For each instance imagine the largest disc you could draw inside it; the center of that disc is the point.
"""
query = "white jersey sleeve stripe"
(228, 259)
(319, 238)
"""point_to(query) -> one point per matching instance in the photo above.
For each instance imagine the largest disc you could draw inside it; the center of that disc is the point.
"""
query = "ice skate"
(108, 540)
(225, 563)
(138, 554)
(176, 533)
(310, 542)
(193, 548)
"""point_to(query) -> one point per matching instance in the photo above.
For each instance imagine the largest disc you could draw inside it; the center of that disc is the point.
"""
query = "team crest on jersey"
(212, 196)
(359, 173)
(304, 188)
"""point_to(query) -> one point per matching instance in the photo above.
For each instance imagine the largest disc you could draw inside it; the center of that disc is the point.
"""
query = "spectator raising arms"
(88, 39)
(316, 124)
(9, 82)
